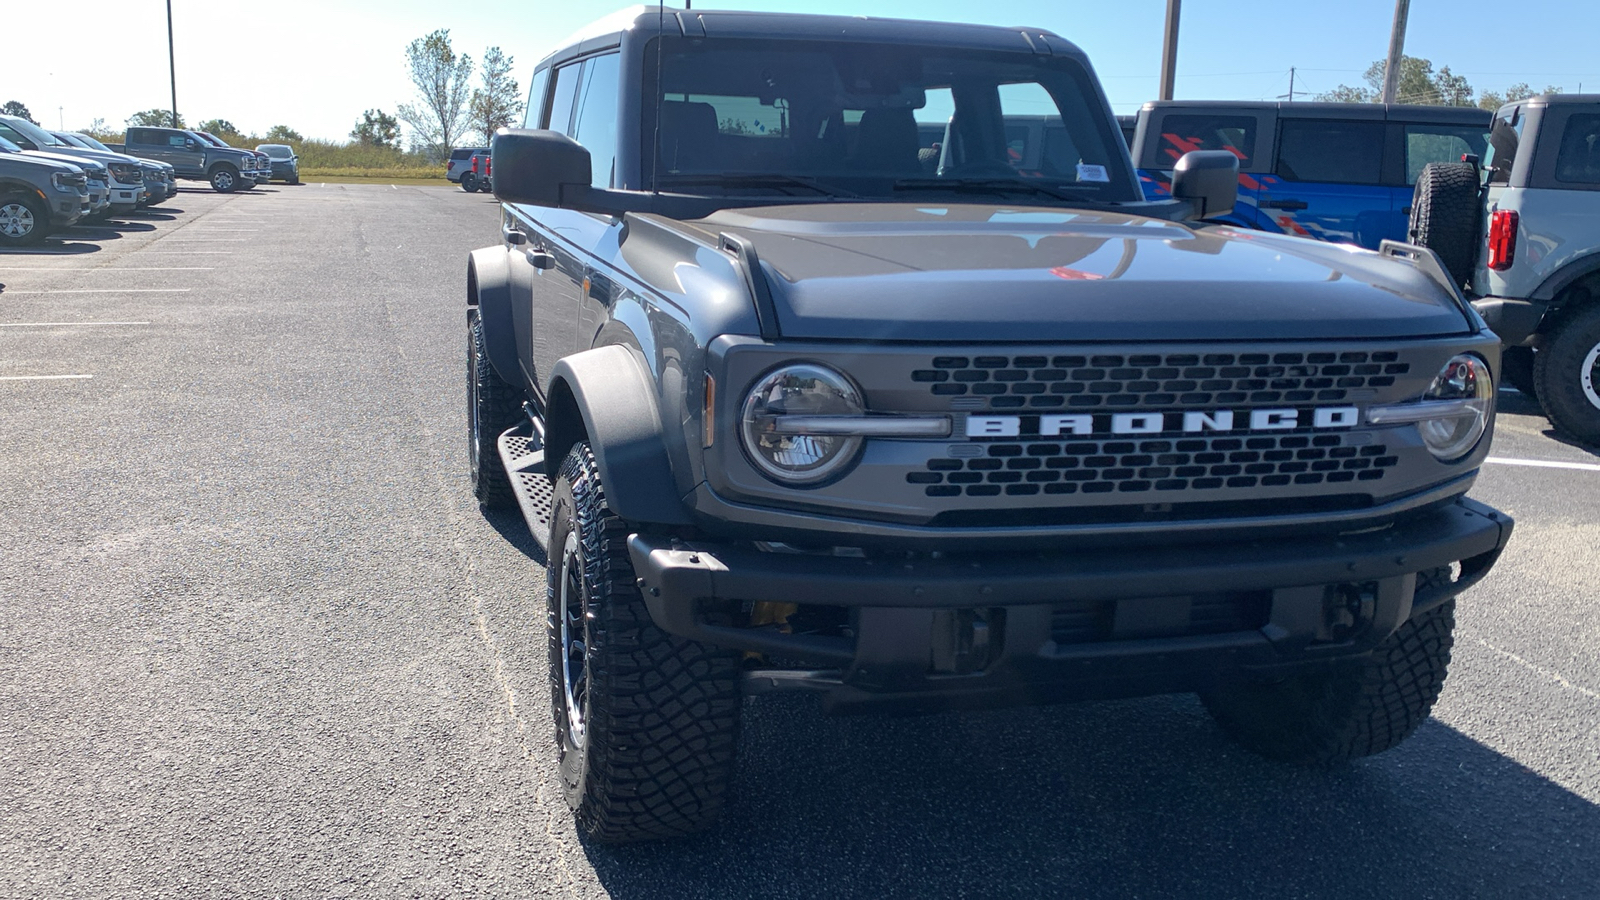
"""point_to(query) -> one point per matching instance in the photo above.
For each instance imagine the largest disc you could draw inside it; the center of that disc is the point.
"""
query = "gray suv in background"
(37, 196)
(284, 161)
(1526, 243)
(159, 183)
(124, 178)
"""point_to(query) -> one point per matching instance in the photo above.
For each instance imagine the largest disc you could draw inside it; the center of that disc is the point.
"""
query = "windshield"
(92, 143)
(71, 139)
(211, 139)
(879, 120)
(276, 151)
(34, 133)
(8, 147)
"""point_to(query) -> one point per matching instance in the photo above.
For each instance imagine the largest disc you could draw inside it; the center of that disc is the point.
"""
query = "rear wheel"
(1567, 372)
(469, 182)
(493, 406)
(1445, 216)
(646, 722)
(22, 221)
(1350, 709)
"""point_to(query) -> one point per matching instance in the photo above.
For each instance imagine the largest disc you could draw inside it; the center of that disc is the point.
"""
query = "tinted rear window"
(1181, 134)
(1579, 159)
(461, 153)
(1330, 151)
(1440, 143)
(1504, 136)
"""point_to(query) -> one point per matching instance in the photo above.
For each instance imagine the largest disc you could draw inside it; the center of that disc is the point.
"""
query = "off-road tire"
(1567, 372)
(224, 179)
(485, 185)
(660, 714)
(469, 182)
(1445, 214)
(31, 223)
(493, 406)
(1516, 369)
(1349, 710)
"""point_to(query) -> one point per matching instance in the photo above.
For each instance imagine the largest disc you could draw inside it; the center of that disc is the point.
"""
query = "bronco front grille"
(1160, 380)
(1181, 464)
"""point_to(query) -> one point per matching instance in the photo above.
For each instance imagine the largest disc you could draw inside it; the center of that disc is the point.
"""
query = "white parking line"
(192, 252)
(108, 291)
(64, 324)
(1544, 464)
(107, 269)
(207, 240)
(41, 377)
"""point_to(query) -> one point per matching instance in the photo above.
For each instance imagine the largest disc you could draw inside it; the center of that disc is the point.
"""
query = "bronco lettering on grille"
(1054, 425)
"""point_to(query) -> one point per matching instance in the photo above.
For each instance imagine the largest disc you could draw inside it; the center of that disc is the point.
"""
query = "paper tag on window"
(1087, 172)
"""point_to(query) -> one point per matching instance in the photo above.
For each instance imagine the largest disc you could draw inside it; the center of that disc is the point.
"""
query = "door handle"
(1405, 210)
(1286, 204)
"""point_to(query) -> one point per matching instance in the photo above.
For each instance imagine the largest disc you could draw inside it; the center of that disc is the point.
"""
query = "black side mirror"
(534, 166)
(1209, 180)
(190, 143)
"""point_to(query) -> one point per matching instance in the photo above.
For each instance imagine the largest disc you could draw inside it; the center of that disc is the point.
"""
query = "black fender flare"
(609, 395)
(489, 291)
(1566, 276)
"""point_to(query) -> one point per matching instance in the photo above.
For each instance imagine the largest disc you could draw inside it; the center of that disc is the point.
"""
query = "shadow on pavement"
(54, 246)
(1141, 798)
(510, 525)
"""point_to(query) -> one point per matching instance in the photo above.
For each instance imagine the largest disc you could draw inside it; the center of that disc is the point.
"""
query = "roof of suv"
(641, 22)
(1559, 100)
(1303, 109)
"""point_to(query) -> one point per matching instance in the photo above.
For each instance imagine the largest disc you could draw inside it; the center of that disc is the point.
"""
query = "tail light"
(488, 167)
(474, 165)
(1502, 239)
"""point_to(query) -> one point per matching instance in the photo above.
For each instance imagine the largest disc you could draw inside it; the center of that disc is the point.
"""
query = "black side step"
(523, 455)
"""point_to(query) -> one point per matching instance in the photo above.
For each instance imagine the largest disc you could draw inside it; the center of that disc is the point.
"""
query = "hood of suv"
(1006, 273)
(90, 167)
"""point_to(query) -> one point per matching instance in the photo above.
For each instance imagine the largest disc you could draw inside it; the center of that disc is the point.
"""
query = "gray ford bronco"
(1523, 234)
(793, 405)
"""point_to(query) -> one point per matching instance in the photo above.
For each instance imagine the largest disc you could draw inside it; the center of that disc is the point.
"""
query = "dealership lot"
(256, 639)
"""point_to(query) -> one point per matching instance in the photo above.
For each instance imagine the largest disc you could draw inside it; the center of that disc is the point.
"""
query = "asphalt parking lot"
(256, 638)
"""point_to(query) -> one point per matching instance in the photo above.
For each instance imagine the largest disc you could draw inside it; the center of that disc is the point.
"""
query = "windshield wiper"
(987, 186)
(771, 180)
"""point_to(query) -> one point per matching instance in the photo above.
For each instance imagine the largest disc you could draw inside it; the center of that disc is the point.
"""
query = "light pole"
(172, 66)
(1169, 51)
(1397, 44)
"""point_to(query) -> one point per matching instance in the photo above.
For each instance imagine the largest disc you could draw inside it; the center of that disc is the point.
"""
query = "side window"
(1579, 159)
(562, 100)
(177, 140)
(1440, 143)
(1329, 151)
(137, 136)
(1504, 135)
(536, 96)
(596, 125)
(1181, 134)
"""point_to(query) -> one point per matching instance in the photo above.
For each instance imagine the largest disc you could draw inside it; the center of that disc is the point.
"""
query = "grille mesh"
(1160, 380)
(1124, 466)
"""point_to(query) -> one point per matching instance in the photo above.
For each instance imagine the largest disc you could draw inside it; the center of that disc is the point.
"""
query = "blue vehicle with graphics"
(1338, 172)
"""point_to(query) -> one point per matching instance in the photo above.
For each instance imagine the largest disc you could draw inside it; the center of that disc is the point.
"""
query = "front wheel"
(1567, 372)
(646, 722)
(22, 221)
(224, 179)
(1351, 709)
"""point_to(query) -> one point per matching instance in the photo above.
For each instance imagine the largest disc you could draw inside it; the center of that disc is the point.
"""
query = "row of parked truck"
(51, 180)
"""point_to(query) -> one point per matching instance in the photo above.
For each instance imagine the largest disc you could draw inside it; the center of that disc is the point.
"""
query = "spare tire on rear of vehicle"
(1445, 213)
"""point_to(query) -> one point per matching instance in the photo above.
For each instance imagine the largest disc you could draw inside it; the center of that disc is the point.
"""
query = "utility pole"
(1290, 95)
(1397, 44)
(1169, 51)
(172, 66)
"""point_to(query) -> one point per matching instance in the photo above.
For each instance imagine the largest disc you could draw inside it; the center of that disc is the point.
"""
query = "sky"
(315, 66)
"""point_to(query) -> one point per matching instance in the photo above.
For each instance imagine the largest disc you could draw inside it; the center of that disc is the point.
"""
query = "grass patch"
(358, 179)
(409, 173)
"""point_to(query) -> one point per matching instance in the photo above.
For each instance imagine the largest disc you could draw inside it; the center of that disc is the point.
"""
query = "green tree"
(158, 118)
(1418, 83)
(16, 108)
(441, 77)
(1520, 91)
(218, 127)
(498, 103)
(283, 134)
(376, 128)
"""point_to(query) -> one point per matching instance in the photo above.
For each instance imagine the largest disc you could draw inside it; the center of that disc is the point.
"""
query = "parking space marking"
(177, 240)
(1557, 677)
(42, 377)
(64, 324)
(193, 252)
(106, 269)
(108, 291)
(1543, 464)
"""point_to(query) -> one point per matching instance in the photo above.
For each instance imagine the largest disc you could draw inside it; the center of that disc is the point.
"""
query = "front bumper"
(987, 630)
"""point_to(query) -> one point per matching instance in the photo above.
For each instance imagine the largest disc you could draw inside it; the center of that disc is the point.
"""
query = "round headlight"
(1465, 380)
(786, 454)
